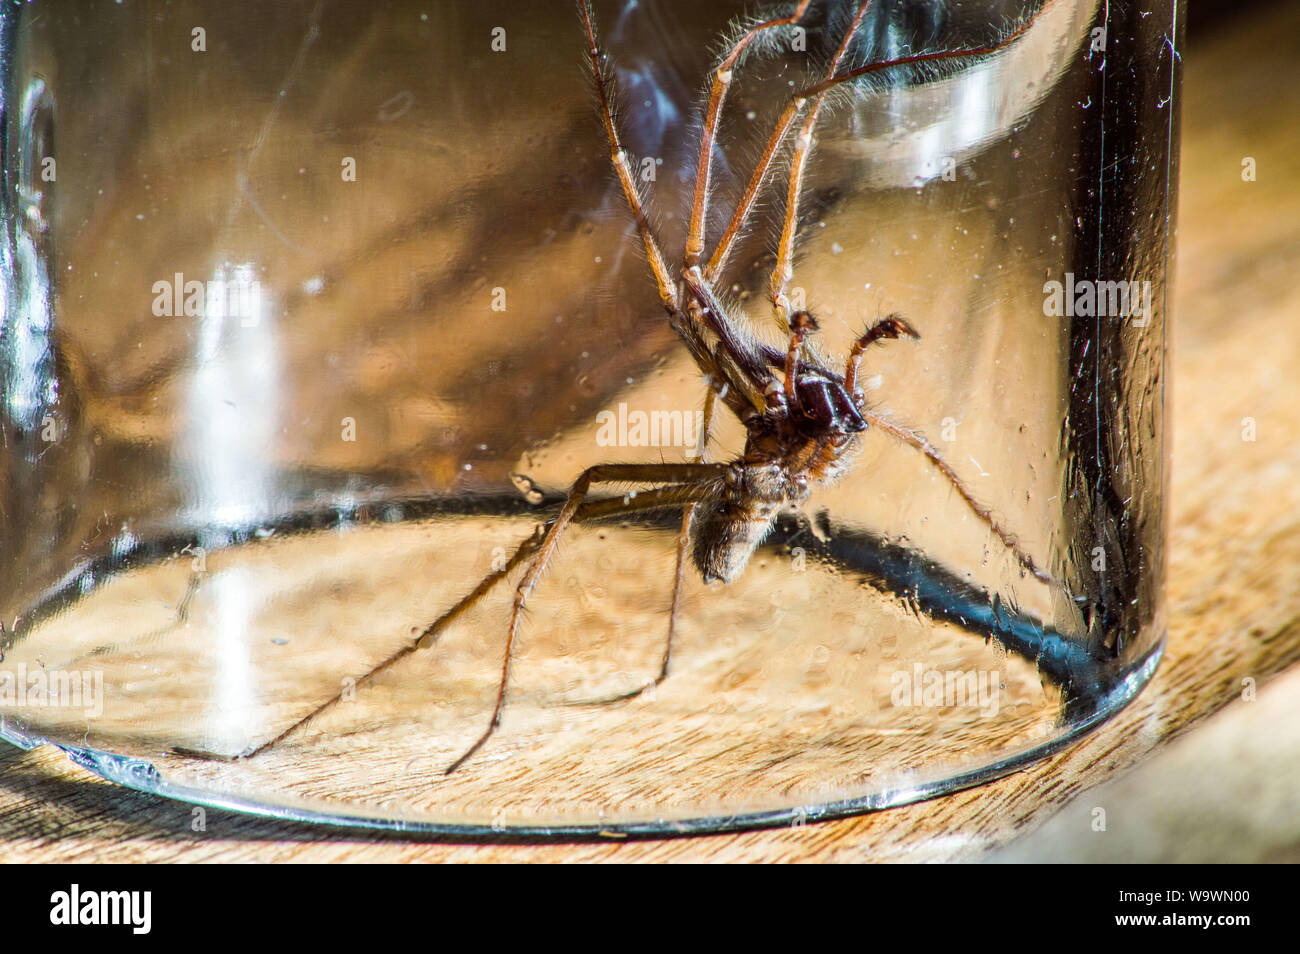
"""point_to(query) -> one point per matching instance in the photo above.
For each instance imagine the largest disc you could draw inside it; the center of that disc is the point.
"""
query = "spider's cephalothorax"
(807, 435)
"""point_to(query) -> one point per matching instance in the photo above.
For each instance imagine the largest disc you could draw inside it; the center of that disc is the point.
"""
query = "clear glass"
(423, 309)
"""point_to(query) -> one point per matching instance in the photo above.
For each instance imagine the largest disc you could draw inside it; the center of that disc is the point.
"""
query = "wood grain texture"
(1226, 793)
(1234, 601)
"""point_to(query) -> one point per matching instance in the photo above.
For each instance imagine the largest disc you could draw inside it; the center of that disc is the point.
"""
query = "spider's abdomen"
(726, 536)
(729, 529)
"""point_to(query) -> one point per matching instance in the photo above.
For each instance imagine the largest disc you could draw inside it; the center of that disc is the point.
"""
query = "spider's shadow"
(1085, 673)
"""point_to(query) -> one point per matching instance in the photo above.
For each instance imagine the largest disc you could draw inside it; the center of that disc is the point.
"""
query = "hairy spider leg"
(972, 52)
(783, 271)
(803, 143)
(425, 639)
(688, 321)
(891, 326)
(695, 482)
(722, 77)
(796, 104)
(684, 541)
(917, 440)
(667, 292)
(679, 574)
(659, 498)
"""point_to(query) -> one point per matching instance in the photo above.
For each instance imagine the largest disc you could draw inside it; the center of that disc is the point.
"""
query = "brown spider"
(803, 420)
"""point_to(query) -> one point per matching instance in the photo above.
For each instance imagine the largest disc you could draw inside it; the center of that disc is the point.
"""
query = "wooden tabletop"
(1234, 599)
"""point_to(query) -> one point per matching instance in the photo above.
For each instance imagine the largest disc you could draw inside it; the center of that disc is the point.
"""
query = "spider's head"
(824, 408)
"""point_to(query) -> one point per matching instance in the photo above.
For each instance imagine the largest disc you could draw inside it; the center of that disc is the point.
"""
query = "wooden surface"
(1234, 602)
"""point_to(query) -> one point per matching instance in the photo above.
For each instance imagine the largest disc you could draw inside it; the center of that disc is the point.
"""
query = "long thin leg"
(796, 103)
(684, 541)
(667, 291)
(719, 258)
(696, 476)
(784, 269)
(765, 160)
(921, 443)
(672, 496)
(424, 640)
(722, 77)
(180, 618)
(968, 52)
(679, 575)
(689, 322)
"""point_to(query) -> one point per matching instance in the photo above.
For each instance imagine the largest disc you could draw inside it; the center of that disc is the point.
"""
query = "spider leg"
(921, 443)
(800, 324)
(765, 160)
(661, 497)
(679, 575)
(802, 145)
(939, 56)
(816, 93)
(667, 291)
(695, 480)
(891, 326)
(722, 76)
(425, 639)
(687, 321)
(784, 269)
(684, 541)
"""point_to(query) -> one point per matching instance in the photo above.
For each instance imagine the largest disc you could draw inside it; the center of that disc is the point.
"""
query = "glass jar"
(314, 314)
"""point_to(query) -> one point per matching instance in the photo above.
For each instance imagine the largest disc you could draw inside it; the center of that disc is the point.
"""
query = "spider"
(803, 419)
